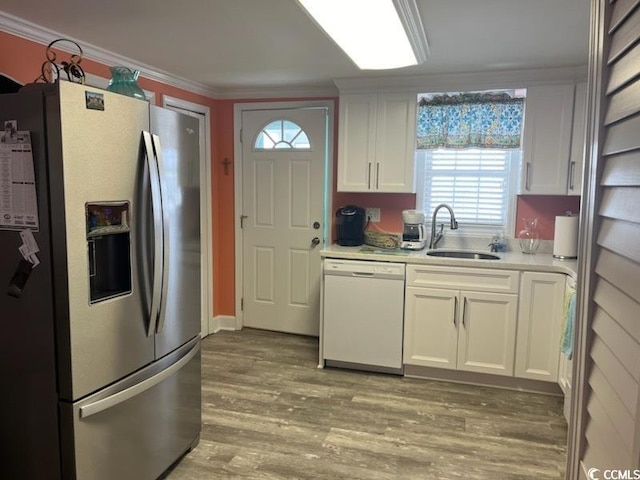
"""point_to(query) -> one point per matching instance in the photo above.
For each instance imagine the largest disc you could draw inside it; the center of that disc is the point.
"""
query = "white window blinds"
(475, 182)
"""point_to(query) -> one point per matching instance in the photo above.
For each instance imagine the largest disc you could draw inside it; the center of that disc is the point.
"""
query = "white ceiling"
(256, 44)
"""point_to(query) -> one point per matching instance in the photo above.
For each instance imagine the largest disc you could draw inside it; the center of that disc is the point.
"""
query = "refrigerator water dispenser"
(109, 250)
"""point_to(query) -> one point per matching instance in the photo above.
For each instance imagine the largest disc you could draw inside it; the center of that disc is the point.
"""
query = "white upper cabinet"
(376, 141)
(546, 142)
(578, 139)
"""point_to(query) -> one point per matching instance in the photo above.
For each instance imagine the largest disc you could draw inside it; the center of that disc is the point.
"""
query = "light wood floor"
(269, 413)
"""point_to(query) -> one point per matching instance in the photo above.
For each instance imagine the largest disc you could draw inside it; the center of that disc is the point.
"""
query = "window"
(282, 134)
(479, 184)
(468, 156)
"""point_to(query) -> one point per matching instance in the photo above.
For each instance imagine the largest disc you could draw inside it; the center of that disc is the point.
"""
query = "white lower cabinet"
(484, 320)
(472, 330)
(539, 319)
(486, 338)
(430, 327)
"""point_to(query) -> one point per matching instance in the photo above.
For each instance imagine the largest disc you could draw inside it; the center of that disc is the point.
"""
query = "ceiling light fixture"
(375, 34)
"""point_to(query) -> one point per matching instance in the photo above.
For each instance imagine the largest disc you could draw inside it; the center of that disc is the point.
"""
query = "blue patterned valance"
(470, 120)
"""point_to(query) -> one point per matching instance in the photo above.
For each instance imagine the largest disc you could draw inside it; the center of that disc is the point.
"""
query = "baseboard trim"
(483, 379)
(222, 322)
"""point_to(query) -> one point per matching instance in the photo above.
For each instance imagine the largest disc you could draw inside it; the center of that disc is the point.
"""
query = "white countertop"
(539, 262)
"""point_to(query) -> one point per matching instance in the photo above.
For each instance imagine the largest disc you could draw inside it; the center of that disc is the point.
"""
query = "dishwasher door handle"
(362, 274)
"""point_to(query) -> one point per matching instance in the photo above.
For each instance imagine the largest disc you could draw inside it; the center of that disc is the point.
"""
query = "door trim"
(207, 208)
(238, 109)
(587, 240)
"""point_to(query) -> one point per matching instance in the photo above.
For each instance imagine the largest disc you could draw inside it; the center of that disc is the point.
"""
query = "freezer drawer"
(138, 427)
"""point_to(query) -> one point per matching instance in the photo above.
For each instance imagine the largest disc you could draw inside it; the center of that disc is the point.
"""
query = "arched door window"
(282, 134)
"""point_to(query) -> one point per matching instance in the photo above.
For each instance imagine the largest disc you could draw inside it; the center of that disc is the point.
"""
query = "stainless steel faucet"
(436, 237)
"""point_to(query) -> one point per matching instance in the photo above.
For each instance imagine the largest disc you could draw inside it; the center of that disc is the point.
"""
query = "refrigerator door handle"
(165, 235)
(120, 397)
(158, 237)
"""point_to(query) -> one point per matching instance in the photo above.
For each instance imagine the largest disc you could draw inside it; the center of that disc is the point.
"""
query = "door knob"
(315, 242)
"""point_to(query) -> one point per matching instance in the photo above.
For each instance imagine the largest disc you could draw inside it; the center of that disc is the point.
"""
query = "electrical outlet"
(373, 214)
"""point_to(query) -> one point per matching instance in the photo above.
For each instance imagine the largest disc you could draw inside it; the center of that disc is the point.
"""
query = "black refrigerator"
(100, 270)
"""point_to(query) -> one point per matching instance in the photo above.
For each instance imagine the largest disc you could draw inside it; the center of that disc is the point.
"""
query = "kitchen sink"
(462, 254)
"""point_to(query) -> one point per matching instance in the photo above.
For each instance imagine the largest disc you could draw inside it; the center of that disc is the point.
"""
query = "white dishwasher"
(363, 312)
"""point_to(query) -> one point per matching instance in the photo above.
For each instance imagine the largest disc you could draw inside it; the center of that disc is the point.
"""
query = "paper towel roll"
(565, 238)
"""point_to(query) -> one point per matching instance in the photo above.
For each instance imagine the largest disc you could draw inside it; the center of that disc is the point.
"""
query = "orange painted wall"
(223, 209)
(545, 208)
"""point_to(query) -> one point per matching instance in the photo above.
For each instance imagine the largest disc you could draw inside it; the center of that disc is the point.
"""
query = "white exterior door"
(283, 165)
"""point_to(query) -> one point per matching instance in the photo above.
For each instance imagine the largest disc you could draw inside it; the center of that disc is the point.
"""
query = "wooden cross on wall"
(226, 164)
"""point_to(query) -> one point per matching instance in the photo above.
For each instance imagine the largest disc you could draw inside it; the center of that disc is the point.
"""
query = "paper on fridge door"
(18, 200)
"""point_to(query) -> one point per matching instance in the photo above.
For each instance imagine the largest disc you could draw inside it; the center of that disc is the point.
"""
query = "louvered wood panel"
(624, 70)
(620, 273)
(592, 456)
(597, 436)
(619, 415)
(620, 306)
(624, 37)
(621, 204)
(623, 346)
(623, 137)
(621, 10)
(624, 103)
(620, 380)
(622, 169)
(621, 237)
(617, 451)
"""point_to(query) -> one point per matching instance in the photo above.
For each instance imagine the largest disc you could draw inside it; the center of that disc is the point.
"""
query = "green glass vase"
(125, 81)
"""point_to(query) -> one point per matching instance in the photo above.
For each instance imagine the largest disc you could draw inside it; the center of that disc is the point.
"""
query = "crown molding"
(36, 33)
(412, 22)
(30, 31)
(300, 91)
(448, 82)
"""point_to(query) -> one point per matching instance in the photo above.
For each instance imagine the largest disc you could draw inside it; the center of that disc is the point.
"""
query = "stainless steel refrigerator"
(99, 341)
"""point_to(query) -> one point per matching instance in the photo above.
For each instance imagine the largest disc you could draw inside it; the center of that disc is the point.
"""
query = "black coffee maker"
(350, 223)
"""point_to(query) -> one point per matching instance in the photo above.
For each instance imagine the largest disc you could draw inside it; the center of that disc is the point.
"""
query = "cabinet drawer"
(463, 278)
